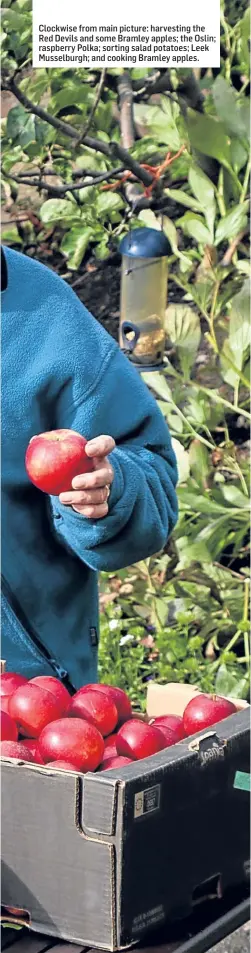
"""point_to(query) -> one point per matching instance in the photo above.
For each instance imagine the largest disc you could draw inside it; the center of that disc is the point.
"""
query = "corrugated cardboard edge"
(99, 838)
(172, 698)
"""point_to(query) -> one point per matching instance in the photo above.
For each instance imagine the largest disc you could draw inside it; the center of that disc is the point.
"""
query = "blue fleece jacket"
(61, 369)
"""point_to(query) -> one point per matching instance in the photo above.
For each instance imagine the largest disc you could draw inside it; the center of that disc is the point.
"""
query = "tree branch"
(131, 164)
(34, 180)
(94, 107)
(158, 83)
(132, 191)
(64, 127)
(108, 149)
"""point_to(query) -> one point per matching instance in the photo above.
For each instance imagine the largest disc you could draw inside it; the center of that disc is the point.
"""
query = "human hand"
(91, 491)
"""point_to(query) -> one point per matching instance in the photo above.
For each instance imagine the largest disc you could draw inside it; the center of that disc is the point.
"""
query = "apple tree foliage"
(183, 614)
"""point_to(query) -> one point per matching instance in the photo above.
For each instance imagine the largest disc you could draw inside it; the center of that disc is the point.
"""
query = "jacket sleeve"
(143, 502)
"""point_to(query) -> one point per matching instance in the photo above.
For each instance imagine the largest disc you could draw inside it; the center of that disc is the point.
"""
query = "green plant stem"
(220, 193)
(194, 296)
(245, 620)
(236, 393)
(246, 600)
(233, 175)
(198, 436)
(238, 633)
(245, 182)
(212, 315)
(237, 371)
(217, 399)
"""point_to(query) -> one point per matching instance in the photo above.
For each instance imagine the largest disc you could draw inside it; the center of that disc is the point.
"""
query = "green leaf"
(233, 223)
(43, 132)
(183, 199)
(239, 325)
(35, 85)
(194, 226)
(20, 125)
(172, 235)
(182, 325)
(72, 94)
(161, 121)
(91, 161)
(56, 211)
(144, 148)
(10, 158)
(228, 683)
(243, 50)
(175, 422)
(150, 219)
(108, 202)
(227, 358)
(226, 104)
(74, 245)
(201, 504)
(239, 155)
(203, 190)
(102, 250)
(243, 267)
(14, 21)
(234, 496)
(190, 552)
(182, 458)
(236, 347)
(208, 135)
(88, 195)
(10, 235)
(199, 462)
(156, 381)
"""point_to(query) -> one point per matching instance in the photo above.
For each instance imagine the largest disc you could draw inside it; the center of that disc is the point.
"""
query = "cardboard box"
(173, 697)
(101, 859)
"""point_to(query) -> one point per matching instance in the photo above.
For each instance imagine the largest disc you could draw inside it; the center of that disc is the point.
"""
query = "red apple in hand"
(171, 727)
(4, 702)
(138, 740)
(118, 762)
(53, 459)
(15, 749)
(205, 710)
(58, 691)
(74, 740)
(8, 730)
(117, 695)
(32, 708)
(96, 708)
(9, 681)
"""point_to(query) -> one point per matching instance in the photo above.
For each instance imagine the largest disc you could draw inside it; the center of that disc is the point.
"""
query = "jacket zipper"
(22, 618)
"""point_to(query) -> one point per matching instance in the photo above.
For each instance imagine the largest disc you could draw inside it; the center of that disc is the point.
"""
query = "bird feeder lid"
(145, 243)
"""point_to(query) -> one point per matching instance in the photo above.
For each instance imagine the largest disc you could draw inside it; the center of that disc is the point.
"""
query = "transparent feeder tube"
(143, 305)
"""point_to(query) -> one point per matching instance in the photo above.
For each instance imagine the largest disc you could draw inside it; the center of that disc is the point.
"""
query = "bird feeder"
(144, 296)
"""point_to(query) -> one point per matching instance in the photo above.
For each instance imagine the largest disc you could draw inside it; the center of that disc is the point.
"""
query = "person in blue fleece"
(60, 369)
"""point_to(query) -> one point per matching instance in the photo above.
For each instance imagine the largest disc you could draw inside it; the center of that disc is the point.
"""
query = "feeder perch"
(144, 296)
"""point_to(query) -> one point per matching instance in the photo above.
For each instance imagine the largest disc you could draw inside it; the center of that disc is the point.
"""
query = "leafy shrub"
(184, 614)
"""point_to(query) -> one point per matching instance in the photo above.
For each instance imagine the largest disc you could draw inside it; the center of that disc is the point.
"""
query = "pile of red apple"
(93, 730)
